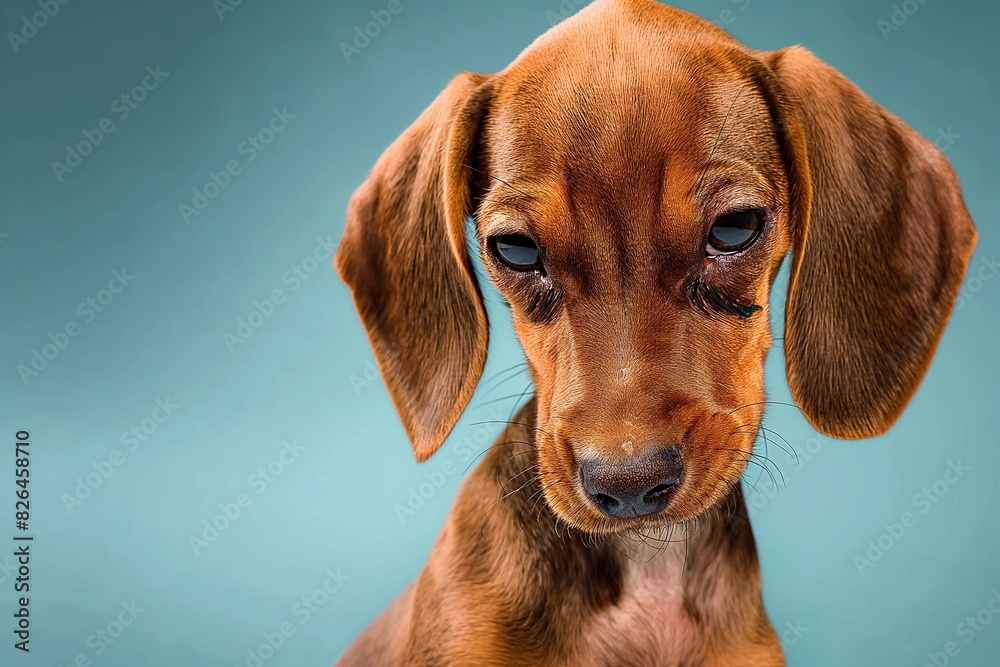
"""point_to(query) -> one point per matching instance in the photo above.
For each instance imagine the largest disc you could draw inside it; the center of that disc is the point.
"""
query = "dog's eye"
(734, 232)
(516, 251)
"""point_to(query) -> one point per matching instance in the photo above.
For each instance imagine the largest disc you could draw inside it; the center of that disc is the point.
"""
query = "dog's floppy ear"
(881, 242)
(404, 257)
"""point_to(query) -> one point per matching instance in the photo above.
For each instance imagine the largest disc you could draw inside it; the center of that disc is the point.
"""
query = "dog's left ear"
(881, 241)
(404, 257)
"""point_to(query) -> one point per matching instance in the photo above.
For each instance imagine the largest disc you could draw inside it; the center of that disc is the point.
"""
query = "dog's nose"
(633, 488)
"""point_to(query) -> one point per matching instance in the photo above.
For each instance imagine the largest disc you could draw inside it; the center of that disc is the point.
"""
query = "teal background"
(306, 373)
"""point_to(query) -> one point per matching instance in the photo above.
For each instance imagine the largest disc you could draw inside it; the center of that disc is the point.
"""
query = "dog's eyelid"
(713, 214)
(492, 223)
(762, 209)
(508, 229)
(712, 209)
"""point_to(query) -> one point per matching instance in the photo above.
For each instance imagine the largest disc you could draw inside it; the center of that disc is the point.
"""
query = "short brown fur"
(614, 142)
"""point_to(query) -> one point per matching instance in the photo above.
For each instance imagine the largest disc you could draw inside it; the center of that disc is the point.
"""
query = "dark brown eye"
(516, 251)
(734, 232)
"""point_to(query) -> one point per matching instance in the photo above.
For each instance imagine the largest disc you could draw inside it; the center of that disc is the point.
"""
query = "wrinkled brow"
(507, 210)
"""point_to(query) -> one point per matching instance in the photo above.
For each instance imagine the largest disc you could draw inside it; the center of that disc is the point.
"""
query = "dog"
(635, 179)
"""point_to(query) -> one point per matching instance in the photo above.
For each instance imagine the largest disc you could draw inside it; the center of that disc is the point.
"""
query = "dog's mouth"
(659, 488)
(599, 480)
(658, 511)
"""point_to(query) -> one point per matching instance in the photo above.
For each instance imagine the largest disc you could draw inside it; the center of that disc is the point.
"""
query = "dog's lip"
(622, 524)
(625, 525)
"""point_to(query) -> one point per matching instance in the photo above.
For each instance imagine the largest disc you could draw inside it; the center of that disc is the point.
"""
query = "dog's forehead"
(621, 75)
(620, 109)
(629, 92)
(627, 132)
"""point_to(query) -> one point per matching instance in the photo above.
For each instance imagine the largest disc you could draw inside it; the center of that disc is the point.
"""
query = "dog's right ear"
(404, 257)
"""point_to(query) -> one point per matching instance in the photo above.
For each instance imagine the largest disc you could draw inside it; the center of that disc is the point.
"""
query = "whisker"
(717, 138)
(498, 400)
(528, 469)
(480, 171)
(511, 423)
(767, 454)
(519, 398)
(511, 458)
(493, 446)
(485, 389)
(752, 458)
(790, 454)
(750, 405)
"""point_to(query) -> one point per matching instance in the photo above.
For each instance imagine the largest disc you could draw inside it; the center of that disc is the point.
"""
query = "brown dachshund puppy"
(636, 178)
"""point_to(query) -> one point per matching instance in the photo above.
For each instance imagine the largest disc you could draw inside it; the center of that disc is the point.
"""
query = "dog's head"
(636, 178)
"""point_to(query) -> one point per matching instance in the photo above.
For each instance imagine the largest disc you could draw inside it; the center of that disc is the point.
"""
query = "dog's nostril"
(659, 492)
(606, 503)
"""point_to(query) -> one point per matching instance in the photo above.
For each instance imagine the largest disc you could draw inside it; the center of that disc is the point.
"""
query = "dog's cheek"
(549, 353)
(558, 481)
(716, 453)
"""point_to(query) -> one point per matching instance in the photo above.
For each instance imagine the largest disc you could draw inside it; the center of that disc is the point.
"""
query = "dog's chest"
(649, 626)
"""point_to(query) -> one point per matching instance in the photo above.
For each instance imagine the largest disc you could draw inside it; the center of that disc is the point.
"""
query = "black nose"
(633, 488)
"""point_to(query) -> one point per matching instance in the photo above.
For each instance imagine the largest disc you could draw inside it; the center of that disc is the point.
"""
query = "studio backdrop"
(217, 473)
